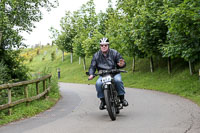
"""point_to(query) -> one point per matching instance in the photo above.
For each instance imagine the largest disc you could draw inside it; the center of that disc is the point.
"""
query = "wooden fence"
(46, 89)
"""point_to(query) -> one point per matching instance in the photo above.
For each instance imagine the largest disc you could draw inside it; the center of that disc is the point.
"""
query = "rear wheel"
(110, 105)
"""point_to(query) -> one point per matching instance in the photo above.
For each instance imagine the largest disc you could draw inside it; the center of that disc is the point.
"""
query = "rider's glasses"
(106, 45)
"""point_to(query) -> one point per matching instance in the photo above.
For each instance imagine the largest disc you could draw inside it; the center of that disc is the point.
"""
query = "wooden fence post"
(44, 87)
(49, 80)
(26, 93)
(49, 85)
(37, 88)
(9, 101)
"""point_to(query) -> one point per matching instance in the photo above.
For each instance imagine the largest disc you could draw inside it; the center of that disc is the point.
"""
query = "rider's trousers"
(118, 83)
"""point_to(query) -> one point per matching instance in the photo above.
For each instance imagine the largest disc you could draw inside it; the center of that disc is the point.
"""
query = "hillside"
(180, 82)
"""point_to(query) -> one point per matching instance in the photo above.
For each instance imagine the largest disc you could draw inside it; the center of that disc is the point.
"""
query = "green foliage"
(102, 18)
(22, 13)
(43, 58)
(91, 45)
(86, 25)
(31, 59)
(17, 16)
(38, 51)
(53, 56)
(183, 23)
(3, 73)
(14, 67)
(4, 77)
(149, 29)
(64, 39)
(76, 28)
(78, 45)
(135, 28)
(114, 30)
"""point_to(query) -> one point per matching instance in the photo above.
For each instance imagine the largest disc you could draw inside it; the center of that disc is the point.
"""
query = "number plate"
(106, 79)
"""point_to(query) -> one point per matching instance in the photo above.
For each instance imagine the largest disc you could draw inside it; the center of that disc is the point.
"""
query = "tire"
(110, 105)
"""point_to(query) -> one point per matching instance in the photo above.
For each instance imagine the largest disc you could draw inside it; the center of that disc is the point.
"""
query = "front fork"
(114, 95)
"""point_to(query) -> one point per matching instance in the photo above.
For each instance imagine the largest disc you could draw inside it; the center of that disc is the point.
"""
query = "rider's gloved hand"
(121, 63)
(90, 77)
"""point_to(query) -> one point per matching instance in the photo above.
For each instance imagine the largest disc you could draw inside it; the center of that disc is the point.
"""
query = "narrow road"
(77, 112)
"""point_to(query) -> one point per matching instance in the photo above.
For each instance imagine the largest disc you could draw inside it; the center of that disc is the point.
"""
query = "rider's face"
(104, 48)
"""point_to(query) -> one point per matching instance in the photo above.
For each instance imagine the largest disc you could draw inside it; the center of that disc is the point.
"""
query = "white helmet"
(104, 41)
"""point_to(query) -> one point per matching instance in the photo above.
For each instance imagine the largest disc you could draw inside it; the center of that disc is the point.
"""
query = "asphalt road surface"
(77, 112)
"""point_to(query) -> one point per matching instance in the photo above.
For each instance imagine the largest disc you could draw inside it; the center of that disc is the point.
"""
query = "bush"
(13, 64)
(53, 56)
(31, 59)
(38, 51)
(4, 77)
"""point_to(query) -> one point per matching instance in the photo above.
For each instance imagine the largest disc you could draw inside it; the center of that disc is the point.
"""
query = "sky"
(40, 34)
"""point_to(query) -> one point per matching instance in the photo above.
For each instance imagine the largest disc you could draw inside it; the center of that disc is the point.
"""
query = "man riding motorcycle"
(106, 59)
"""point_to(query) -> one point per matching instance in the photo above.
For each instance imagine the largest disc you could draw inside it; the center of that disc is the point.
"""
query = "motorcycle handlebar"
(112, 71)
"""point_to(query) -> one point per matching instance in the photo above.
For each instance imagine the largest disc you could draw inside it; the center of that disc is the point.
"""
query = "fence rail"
(26, 98)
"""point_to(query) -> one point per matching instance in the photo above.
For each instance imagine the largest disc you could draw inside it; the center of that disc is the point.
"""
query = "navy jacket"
(100, 62)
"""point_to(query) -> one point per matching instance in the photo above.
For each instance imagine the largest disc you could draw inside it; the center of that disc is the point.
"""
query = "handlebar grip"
(124, 71)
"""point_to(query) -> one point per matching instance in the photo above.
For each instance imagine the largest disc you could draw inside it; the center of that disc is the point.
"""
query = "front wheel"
(110, 105)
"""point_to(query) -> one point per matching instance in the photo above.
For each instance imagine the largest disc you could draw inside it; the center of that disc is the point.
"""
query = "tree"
(86, 24)
(91, 45)
(125, 29)
(17, 16)
(182, 19)
(68, 32)
(149, 30)
(102, 18)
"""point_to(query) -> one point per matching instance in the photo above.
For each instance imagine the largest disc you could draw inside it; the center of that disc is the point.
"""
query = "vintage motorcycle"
(113, 104)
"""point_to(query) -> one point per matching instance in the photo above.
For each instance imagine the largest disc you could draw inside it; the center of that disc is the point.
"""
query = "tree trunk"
(169, 65)
(84, 64)
(71, 57)
(0, 36)
(133, 67)
(79, 60)
(191, 67)
(199, 74)
(151, 64)
(63, 56)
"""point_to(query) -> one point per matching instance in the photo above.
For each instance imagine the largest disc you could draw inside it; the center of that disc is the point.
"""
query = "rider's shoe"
(123, 100)
(102, 104)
